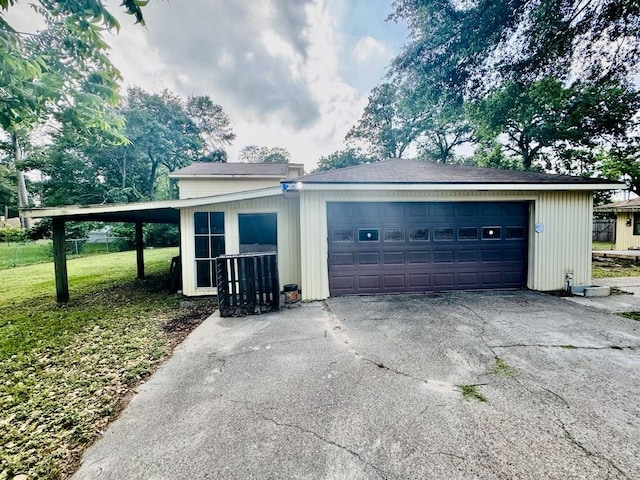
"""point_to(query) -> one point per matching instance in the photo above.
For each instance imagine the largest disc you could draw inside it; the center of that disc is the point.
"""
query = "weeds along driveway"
(484, 385)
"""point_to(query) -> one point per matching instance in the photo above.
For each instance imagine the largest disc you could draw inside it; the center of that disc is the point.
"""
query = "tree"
(62, 73)
(545, 117)
(256, 154)
(213, 125)
(474, 46)
(623, 163)
(391, 122)
(343, 158)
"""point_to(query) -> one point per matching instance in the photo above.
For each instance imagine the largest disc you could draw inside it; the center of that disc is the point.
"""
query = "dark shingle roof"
(418, 171)
(226, 169)
(632, 205)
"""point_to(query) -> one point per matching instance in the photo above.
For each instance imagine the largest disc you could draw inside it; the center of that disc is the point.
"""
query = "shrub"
(12, 234)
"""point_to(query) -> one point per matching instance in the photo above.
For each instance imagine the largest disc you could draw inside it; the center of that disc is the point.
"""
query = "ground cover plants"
(67, 370)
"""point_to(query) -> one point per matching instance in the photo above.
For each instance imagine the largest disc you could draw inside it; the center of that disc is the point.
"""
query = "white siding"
(206, 187)
(563, 247)
(287, 210)
(625, 239)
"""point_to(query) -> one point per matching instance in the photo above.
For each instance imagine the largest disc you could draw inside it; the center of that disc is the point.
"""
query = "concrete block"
(578, 289)
(597, 291)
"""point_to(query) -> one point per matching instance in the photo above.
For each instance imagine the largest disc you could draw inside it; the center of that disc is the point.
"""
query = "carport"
(136, 213)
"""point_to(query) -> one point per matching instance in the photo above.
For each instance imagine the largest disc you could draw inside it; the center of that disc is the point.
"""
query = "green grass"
(25, 253)
(619, 267)
(603, 246)
(65, 369)
(472, 392)
(631, 315)
(16, 254)
(502, 368)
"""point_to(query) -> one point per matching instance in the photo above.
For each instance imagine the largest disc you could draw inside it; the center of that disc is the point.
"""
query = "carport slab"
(370, 387)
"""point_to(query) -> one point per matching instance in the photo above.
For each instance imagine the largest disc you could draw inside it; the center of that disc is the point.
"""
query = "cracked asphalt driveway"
(372, 387)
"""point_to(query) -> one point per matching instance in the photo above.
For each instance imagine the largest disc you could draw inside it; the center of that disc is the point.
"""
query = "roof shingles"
(418, 171)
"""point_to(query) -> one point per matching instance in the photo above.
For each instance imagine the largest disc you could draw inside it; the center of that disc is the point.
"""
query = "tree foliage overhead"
(344, 158)
(164, 131)
(547, 118)
(256, 154)
(472, 45)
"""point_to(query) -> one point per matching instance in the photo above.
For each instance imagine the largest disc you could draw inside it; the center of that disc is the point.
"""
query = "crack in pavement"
(590, 455)
(355, 454)
(393, 370)
(566, 346)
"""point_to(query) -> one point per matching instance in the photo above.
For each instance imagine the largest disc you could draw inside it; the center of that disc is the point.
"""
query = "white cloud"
(276, 67)
(368, 48)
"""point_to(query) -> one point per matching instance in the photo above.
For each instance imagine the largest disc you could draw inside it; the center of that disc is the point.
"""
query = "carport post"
(60, 260)
(140, 249)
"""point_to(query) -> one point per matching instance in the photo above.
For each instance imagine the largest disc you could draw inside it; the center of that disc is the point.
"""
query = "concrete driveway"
(371, 387)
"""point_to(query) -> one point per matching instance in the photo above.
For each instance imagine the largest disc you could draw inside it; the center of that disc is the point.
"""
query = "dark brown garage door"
(377, 247)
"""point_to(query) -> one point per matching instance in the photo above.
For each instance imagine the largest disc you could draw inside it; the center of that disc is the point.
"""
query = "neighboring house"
(627, 222)
(101, 235)
(393, 226)
(206, 179)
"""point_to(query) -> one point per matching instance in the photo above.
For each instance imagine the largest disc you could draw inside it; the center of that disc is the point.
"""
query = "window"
(368, 235)
(442, 234)
(342, 235)
(467, 233)
(636, 223)
(394, 234)
(258, 232)
(209, 244)
(491, 233)
(419, 235)
(514, 233)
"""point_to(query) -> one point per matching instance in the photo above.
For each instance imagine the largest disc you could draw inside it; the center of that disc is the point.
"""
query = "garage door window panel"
(441, 234)
(467, 233)
(491, 233)
(341, 235)
(419, 235)
(368, 235)
(394, 234)
(514, 233)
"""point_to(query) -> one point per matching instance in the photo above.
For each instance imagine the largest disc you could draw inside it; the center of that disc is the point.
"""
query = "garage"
(390, 247)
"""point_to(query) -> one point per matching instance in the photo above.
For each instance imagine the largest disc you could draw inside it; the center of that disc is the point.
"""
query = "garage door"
(377, 247)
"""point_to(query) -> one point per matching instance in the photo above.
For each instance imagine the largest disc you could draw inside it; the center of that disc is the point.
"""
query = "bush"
(12, 234)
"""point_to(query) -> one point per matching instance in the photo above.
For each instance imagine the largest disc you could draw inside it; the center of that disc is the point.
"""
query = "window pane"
(342, 235)
(202, 247)
(441, 234)
(467, 233)
(514, 233)
(217, 222)
(201, 224)
(368, 235)
(217, 246)
(419, 235)
(394, 234)
(636, 223)
(203, 273)
(491, 233)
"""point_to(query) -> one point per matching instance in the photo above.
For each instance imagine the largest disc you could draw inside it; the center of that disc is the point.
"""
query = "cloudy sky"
(289, 73)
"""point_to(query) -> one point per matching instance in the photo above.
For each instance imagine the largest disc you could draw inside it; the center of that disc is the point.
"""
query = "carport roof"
(417, 172)
(166, 211)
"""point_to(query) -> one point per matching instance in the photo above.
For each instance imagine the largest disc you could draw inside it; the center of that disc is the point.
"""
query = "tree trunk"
(23, 195)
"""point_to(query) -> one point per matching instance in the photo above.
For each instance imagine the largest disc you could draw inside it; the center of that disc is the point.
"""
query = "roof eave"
(413, 186)
(82, 210)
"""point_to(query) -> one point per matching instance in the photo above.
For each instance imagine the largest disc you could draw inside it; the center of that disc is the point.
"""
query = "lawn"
(615, 267)
(15, 254)
(67, 370)
(603, 246)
